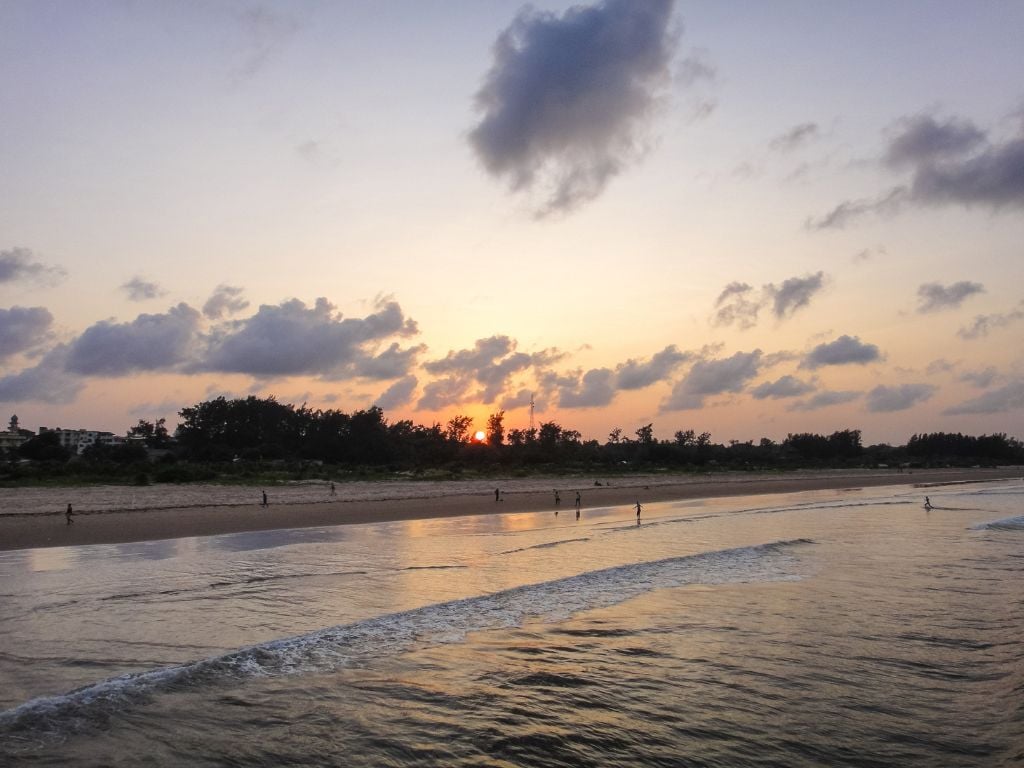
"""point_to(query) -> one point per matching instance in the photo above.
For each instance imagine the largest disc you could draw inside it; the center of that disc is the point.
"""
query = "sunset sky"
(748, 218)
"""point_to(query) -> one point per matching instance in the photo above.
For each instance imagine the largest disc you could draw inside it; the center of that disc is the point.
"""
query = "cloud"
(1006, 398)
(713, 377)
(935, 297)
(519, 400)
(491, 363)
(225, 300)
(734, 306)
(46, 382)
(923, 139)
(940, 366)
(739, 305)
(887, 204)
(949, 162)
(567, 97)
(981, 379)
(594, 389)
(634, 374)
(824, 400)
(796, 137)
(148, 343)
(694, 69)
(843, 351)
(23, 328)
(138, 289)
(442, 393)
(397, 394)
(19, 264)
(883, 399)
(786, 386)
(794, 293)
(292, 339)
(392, 363)
(984, 323)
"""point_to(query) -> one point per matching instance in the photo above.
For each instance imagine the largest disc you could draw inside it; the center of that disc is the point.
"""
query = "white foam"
(1006, 524)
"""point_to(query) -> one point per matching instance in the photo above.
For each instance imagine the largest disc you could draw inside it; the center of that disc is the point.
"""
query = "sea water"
(822, 628)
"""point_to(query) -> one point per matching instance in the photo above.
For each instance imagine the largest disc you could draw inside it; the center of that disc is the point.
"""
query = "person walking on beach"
(265, 503)
(68, 514)
(927, 504)
(497, 494)
(638, 508)
(558, 499)
(333, 491)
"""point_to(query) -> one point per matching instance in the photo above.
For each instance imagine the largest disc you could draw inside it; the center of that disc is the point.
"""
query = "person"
(577, 500)
(333, 491)
(927, 503)
(68, 514)
(497, 494)
(638, 508)
(264, 498)
(558, 499)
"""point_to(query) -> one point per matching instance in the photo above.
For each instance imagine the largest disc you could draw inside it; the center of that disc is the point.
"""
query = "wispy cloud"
(934, 297)
(138, 289)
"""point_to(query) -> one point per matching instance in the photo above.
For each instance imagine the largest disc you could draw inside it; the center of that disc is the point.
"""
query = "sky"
(745, 218)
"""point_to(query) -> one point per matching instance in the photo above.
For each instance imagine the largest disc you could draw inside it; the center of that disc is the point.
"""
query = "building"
(78, 440)
(14, 436)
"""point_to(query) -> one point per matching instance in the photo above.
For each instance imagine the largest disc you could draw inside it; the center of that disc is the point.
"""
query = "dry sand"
(34, 517)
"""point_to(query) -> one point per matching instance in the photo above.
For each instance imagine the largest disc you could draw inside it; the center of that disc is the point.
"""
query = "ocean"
(839, 628)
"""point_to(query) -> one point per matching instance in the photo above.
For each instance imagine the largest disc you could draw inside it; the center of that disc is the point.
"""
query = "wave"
(1006, 524)
(361, 642)
(545, 545)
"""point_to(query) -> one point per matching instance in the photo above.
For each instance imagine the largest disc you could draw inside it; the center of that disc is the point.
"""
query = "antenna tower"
(531, 411)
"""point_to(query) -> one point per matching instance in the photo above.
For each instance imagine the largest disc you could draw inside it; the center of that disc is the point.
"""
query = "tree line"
(262, 430)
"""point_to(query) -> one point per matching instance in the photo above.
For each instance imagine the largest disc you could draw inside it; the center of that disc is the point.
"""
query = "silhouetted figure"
(578, 501)
(497, 494)
(68, 514)
(264, 499)
(927, 504)
(638, 508)
(333, 490)
(558, 499)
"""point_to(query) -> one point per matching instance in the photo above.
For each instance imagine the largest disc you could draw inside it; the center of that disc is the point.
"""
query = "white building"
(77, 440)
(12, 438)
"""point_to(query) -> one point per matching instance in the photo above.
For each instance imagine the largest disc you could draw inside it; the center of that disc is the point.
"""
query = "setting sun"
(480, 436)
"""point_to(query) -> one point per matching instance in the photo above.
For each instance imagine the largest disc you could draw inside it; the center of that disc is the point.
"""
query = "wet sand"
(26, 529)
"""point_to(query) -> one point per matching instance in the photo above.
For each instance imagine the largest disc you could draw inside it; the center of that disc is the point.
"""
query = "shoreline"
(31, 530)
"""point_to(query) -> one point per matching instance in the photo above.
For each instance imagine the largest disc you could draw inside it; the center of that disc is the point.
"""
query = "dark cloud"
(19, 264)
(940, 366)
(634, 374)
(935, 296)
(442, 393)
(225, 300)
(1006, 398)
(148, 343)
(923, 139)
(984, 323)
(567, 97)
(950, 162)
(842, 351)
(519, 400)
(713, 377)
(46, 382)
(593, 389)
(398, 394)
(23, 328)
(825, 400)
(293, 339)
(392, 363)
(883, 399)
(138, 289)
(786, 386)
(796, 137)
(794, 293)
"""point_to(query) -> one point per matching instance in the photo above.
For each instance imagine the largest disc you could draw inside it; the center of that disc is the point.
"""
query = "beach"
(34, 517)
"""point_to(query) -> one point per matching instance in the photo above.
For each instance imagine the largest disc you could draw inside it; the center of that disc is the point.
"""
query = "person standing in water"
(68, 514)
